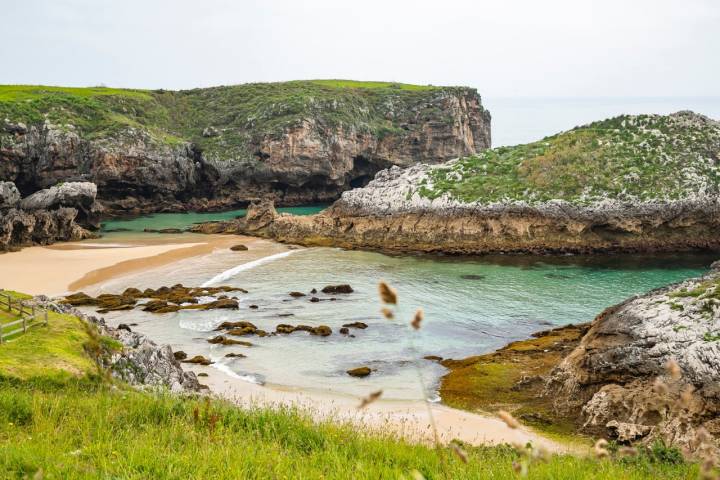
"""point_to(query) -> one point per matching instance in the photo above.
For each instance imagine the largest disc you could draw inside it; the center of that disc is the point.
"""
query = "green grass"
(85, 430)
(58, 418)
(240, 113)
(628, 157)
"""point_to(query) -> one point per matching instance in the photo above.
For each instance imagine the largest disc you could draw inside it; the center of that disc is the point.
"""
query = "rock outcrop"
(456, 207)
(141, 362)
(296, 143)
(648, 367)
(61, 213)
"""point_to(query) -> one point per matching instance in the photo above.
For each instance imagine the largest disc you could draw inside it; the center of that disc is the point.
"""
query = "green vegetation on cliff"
(641, 157)
(222, 121)
(58, 420)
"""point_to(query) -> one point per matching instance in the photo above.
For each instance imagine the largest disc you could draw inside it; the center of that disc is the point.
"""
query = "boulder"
(296, 294)
(284, 328)
(9, 195)
(198, 359)
(345, 331)
(79, 299)
(180, 355)
(344, 288)
(359, 372)
(322, 330)
(238, 248)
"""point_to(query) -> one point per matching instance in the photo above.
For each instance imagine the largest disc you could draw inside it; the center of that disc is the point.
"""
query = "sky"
(568, 48)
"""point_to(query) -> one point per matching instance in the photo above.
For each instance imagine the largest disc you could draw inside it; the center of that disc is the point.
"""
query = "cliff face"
(298, 142)
(649, 366)
(62, 213)
(651, 195)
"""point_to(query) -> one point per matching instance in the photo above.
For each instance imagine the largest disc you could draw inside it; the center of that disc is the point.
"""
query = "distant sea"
(527, 119)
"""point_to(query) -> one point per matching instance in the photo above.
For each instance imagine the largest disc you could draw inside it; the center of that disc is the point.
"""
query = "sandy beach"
(58, 269)
(410, 420)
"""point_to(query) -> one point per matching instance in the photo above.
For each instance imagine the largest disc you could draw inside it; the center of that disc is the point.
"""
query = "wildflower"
(370, 399)
(417, 319)
(508, 419)
(387, 293)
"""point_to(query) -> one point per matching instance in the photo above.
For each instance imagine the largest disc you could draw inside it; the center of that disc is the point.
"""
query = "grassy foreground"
(58, 420)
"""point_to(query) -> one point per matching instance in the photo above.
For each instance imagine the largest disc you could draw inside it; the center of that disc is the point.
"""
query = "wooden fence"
(30, 316)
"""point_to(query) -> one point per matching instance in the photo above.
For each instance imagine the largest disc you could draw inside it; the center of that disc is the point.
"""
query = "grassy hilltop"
(239, 112)
(58, 420)
(641, 157)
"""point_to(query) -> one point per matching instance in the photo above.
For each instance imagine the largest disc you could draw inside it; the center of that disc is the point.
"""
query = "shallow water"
(472, 306)
(183, 220)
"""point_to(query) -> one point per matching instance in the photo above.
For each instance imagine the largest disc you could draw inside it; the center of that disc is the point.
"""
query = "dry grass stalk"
(387, 293)
(461, 454)
(673, 369)
(370, 399)
(417, 319)
(660, 387)
(508, 419)
(600, 448)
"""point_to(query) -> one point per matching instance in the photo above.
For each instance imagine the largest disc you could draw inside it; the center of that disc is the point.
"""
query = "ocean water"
(527, 119)
(471, 305)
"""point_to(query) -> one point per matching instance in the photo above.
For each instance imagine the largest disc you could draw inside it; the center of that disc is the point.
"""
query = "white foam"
(228, 371)
(230, 273)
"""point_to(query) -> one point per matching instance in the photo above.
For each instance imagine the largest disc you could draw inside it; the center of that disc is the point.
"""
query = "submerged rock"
(359, 372)
(331, 289)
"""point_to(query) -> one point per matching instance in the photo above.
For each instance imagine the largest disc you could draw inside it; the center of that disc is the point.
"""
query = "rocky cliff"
(293, 142)
(645, 183)
(64, 212)
(649, 366)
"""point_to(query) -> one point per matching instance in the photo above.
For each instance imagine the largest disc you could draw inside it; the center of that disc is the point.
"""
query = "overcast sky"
(501, 47)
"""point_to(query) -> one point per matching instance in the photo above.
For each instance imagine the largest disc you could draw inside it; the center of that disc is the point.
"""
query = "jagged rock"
(79, 298)
(433, 358)
(222, 340)
(235, 355)
(284, 328)
(296, 294)
(627, 432)
(232, 325)
(344, 331)
(314, 299)
(337, 289)
(617, 377)
(141, 362)
(124, 326)
(359, 372)
(226, 303)
(322, 330)
(180, 355)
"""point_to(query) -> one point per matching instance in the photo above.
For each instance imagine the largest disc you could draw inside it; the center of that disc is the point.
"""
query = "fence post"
(10, 304)
(33, 319)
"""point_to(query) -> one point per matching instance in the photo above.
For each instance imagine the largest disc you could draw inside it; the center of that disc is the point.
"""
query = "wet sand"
(58, 269)
(408, 419)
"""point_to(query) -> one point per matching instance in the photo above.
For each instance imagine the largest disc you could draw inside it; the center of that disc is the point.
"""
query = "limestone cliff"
(293, 142)
(650, 192)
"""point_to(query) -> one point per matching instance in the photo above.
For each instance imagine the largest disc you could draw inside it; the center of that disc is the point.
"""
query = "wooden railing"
(30, 316)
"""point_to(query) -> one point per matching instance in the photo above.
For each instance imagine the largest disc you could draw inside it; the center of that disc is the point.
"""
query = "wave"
(250, 378)
(230, 273)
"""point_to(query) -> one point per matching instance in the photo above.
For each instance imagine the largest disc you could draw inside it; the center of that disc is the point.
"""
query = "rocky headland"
(64, 212)
(207, 149)
(646, 369)
(630, 183)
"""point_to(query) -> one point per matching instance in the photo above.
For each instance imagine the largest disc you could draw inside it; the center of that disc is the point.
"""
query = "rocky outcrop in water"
(648, 367)
(61, 213)
(295, 143)
(141, 362)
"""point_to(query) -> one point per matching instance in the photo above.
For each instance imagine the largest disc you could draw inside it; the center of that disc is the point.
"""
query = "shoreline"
(407, 419)
(57, 269)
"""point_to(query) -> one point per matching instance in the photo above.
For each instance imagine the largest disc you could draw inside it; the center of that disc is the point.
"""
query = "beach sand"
(71, 266)
(410, 420)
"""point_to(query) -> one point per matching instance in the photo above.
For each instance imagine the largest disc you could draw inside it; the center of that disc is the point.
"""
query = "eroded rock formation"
(60, 213)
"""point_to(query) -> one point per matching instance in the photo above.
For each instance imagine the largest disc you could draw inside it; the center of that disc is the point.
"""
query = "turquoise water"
(472, 306)
(184, 220)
